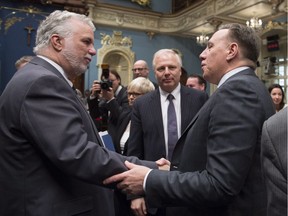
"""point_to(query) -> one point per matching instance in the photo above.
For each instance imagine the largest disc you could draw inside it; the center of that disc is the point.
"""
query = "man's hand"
(138, 207)
(108, 94)
(163, 164)
(131, 181)
(96, 88)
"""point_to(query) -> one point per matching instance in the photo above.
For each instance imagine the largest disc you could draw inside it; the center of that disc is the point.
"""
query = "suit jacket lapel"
(155, 111)
(48, 66)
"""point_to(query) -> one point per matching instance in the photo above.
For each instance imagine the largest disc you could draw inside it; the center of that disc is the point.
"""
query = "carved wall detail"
(190, 21)
(116, 52)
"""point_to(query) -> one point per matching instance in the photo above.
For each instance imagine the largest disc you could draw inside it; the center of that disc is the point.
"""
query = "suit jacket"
(146, 139)
(274, 160)
(51, 156)
(118, 123)
(216, 162)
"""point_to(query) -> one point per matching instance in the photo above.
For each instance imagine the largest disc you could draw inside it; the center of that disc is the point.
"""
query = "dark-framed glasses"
(134, 94)
(138, 69)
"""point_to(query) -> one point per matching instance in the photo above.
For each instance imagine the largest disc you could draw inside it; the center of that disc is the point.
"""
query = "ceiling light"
(202, 39)
(255, 23)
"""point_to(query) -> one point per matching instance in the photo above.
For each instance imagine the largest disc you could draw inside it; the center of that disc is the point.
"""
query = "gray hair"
(167, 52)
(56, 23)
(142, 85)
(247, 39)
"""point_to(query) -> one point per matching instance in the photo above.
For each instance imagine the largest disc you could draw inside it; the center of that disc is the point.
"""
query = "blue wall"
(144, 48)
(14, 36)
(13, 41)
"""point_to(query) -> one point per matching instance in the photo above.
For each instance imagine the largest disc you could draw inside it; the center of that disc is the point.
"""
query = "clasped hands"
(131, 181)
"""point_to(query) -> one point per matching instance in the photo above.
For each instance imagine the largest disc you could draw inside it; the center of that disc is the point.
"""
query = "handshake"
(132, 181)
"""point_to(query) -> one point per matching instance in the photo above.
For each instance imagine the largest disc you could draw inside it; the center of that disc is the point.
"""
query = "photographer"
(105, 95)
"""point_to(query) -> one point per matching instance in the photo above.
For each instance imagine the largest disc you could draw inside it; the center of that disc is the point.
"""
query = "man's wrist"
(145, 179)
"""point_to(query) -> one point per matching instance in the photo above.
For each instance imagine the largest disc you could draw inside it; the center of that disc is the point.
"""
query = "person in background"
(141, 69)
(102, 100)
(216, 165)
(87, 93)
(23, 61)
(121, 121)
(196, 81)
(149, 121)
(278, 96)
(52, 160)
(274, 162)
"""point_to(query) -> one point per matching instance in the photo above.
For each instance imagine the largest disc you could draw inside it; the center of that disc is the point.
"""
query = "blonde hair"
(141, 84)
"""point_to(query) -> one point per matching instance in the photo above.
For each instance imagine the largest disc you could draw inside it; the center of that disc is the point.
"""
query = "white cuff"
(144, 182)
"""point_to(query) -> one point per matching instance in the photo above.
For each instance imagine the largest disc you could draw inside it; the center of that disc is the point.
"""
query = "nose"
(201, 56)
(92, 51)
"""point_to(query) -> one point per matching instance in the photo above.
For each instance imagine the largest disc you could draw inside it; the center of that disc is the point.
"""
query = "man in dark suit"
(149, 115)
(149, 135)
(52, 160)
(216, 167)
(274, 161)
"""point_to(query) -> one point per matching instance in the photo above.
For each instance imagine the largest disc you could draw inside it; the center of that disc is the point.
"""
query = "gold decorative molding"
(115, 40)
(28, 10)
(10, 22)
(205, 16)
(116, 52)
(150, 34)
(144, 3)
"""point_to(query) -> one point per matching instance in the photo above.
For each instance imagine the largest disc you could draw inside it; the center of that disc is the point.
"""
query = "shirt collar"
(58, 67)
(118, 90)
(175, 92)
(231, 73)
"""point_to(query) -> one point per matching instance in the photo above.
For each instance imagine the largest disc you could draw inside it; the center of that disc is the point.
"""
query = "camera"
(105, 82)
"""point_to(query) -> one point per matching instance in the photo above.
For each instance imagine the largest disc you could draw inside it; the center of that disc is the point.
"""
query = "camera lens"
(106, 84)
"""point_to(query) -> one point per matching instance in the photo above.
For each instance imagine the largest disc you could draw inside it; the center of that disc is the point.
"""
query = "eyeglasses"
(134, 94)
(139, 69)
(170, 68)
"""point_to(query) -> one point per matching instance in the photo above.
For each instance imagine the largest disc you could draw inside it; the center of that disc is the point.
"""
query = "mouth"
(167, 80)
(88, 60)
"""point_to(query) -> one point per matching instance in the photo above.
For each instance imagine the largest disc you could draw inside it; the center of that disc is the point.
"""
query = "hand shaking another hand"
(163, 164)
(131, 181)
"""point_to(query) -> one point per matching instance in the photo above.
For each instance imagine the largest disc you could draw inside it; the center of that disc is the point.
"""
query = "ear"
(57, 42)
(232, 50)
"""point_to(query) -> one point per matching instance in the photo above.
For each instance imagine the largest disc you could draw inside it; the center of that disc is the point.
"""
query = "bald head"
(140, 69)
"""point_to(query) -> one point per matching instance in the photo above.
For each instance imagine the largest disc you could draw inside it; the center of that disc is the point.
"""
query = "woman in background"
(120, 121)
(278, 96)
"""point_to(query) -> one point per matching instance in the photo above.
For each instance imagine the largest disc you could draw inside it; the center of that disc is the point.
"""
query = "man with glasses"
(102, 100)
(141, 69)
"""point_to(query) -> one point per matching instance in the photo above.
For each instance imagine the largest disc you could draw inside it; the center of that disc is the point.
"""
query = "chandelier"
(202, 39)
(255, 23)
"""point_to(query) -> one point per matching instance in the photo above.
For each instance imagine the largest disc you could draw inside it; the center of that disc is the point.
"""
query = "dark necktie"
(172, 126)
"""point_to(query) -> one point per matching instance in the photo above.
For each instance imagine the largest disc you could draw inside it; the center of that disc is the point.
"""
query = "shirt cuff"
(111, 99)
(144, 182)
